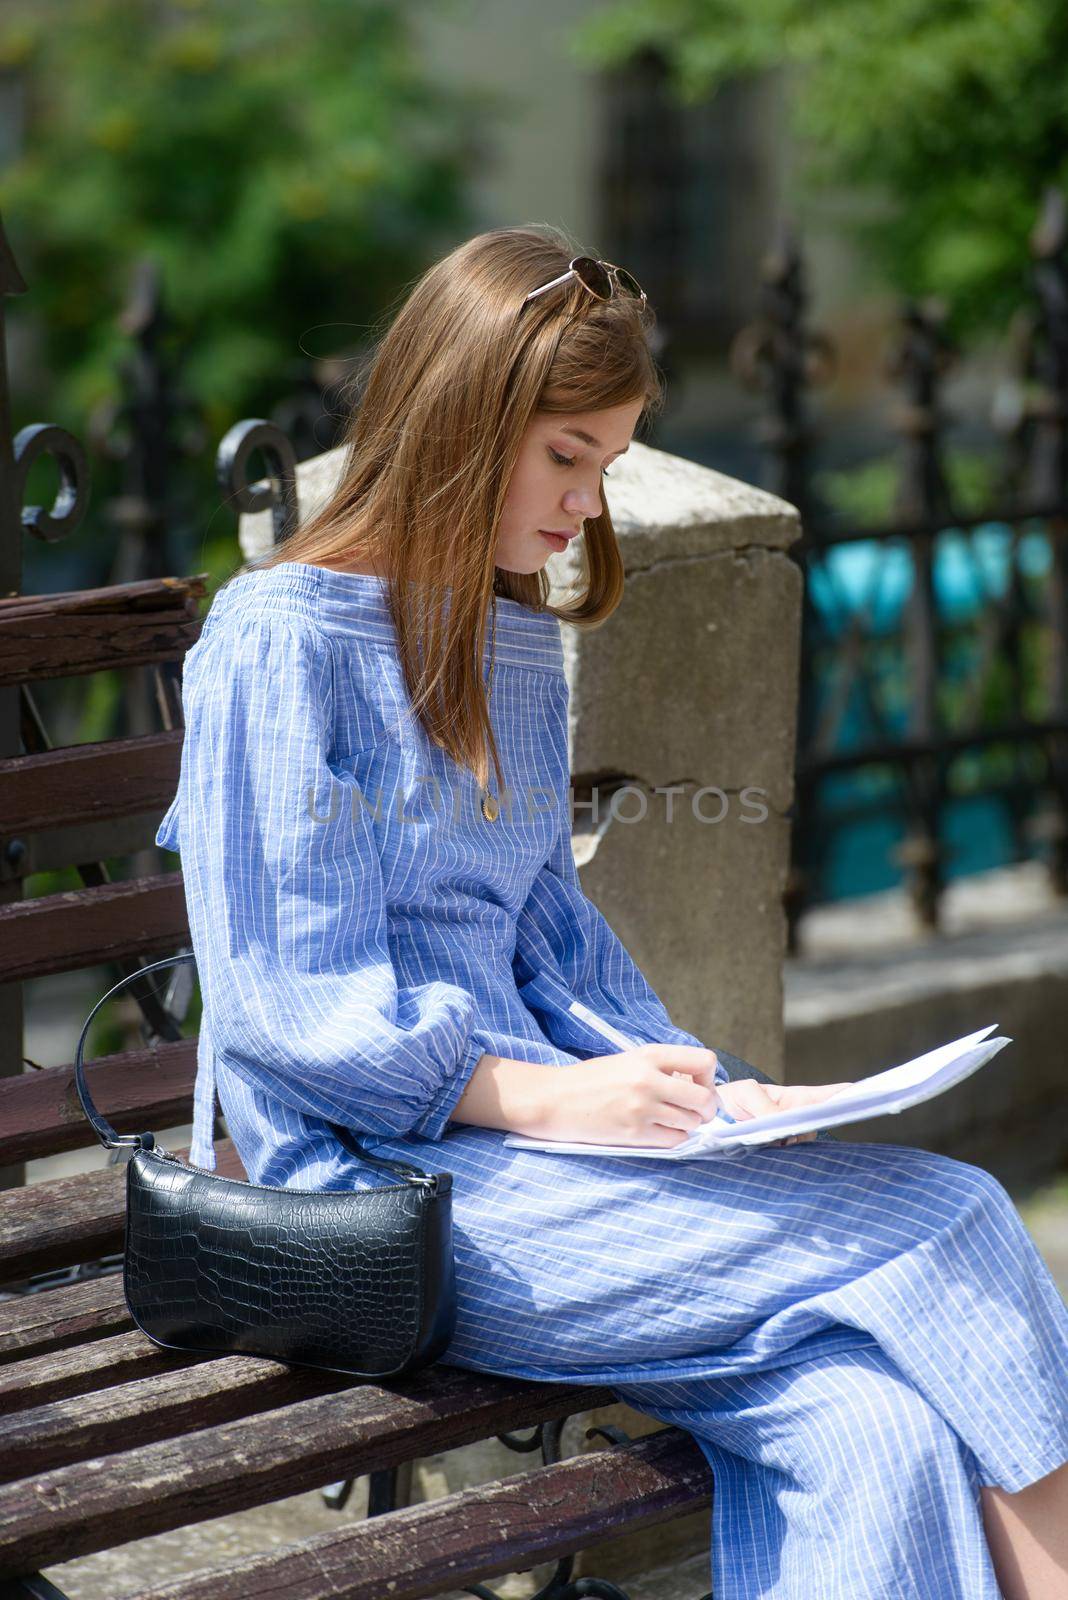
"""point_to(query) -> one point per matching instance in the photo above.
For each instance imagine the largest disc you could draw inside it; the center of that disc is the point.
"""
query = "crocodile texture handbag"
(352, 1281)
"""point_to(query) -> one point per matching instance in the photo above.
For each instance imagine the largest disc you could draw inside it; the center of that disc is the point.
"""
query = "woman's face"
(556, 481)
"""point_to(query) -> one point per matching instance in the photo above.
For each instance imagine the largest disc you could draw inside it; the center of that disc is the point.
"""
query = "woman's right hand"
(654, 1094)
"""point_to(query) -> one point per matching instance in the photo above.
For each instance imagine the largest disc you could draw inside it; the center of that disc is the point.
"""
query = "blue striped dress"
(857, 1335)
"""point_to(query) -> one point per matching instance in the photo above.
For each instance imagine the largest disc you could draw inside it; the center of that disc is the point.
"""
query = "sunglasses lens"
(627, 284)
(593, 276)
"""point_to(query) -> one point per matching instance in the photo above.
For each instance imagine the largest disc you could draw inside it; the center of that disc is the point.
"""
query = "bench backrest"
(78, 805)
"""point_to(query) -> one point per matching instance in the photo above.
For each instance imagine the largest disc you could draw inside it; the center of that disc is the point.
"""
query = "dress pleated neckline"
(360, 601)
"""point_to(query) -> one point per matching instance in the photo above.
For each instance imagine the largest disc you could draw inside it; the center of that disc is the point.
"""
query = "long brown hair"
(452, 385)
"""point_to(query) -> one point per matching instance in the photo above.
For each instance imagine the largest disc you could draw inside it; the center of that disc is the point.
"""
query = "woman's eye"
(569, 461)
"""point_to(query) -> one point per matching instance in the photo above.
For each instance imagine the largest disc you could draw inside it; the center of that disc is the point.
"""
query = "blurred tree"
(952, 116)
(289, 163)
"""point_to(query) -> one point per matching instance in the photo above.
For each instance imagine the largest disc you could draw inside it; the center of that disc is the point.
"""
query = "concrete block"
(698, 905)
(694, 677)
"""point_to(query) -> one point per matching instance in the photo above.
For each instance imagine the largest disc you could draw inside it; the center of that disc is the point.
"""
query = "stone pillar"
(682, 743)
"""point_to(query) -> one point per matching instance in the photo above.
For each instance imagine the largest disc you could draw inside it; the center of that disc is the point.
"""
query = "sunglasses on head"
(601, 278)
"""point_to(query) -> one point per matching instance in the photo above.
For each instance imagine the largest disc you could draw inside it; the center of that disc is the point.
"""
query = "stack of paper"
(875, 1096)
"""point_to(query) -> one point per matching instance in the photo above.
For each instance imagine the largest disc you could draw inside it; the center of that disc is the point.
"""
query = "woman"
(862, 1338)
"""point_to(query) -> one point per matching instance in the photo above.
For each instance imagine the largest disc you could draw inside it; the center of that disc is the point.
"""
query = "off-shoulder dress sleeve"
(284, 891)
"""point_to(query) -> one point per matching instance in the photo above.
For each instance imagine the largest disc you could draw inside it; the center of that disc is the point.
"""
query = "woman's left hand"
(747, 1097)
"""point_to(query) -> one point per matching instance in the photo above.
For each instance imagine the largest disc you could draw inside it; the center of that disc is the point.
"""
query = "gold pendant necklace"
(490, 808)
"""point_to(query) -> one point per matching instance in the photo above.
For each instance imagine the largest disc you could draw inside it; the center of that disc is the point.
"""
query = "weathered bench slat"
(504, 1526)
(74, 1219)
(137, 1090)
(101, 1365)
(84, 927)
(61, 1318)
(92, 630)
(90, 782)
(142, 594)
(192, 1394)
(71, 1511)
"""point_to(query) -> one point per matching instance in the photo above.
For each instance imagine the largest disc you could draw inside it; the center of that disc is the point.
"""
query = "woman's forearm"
(501, 1093)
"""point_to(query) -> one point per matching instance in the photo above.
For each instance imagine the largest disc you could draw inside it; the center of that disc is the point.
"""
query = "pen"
(598, 1024)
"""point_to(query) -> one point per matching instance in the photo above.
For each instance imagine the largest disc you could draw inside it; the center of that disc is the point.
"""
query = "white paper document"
(883, 1092)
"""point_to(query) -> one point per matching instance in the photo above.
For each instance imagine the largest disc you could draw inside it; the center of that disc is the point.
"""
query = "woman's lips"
(559, 541)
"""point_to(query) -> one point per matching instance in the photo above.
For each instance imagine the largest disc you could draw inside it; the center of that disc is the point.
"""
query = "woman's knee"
(948, 1179)
(977, 1189)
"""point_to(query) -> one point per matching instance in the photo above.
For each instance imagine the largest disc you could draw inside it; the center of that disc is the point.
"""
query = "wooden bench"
(106, 1437)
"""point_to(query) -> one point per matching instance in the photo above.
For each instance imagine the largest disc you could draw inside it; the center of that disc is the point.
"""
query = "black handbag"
(353, 1281)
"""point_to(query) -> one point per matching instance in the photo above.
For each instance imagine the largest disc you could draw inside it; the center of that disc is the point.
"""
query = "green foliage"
(865, 494)
(287, 164)
(862, 494)
(951, 116)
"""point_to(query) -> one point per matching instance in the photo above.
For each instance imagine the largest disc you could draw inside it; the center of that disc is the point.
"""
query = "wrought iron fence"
(903, 714)
(910, 711)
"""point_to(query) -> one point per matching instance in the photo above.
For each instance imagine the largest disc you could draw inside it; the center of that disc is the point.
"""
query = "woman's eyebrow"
(587, 438)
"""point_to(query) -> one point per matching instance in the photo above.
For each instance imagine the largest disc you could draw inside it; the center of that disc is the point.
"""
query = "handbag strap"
(111, 1140)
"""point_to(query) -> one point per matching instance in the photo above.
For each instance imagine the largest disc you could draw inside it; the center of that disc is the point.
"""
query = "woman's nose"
(582, 502)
